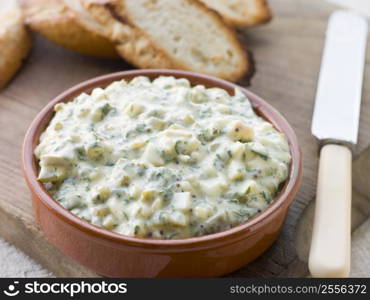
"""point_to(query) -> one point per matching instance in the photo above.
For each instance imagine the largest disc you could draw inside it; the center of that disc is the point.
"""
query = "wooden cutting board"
(287, 54)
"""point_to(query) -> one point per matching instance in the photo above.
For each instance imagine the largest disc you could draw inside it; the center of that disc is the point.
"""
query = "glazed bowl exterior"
(114, 255)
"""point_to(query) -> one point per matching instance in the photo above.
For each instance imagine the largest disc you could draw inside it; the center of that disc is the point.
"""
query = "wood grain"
(287, 54)
(361, 250)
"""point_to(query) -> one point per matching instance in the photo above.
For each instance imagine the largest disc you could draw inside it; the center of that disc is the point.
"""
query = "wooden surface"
(287, 54)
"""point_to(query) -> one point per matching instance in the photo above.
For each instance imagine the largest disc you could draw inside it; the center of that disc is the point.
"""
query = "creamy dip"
(162, 159)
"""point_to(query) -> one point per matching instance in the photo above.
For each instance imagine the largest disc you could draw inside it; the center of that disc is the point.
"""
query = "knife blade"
(360, 6)
(335, 123)
(338, 97)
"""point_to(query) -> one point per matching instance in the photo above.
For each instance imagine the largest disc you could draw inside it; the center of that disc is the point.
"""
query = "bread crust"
(261, 15)
(15, 43)
(120, 10)
(142, 54)
(60, 24)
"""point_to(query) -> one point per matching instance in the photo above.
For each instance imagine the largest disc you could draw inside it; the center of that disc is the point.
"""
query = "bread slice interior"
(193, 37)
(241, 12)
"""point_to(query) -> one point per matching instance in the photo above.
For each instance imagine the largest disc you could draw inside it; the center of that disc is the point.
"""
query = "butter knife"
(335, 123)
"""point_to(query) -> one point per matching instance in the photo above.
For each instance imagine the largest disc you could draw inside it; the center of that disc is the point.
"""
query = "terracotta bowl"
(115, 255)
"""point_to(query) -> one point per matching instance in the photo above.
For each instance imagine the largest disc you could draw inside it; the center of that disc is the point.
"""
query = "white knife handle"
(330, 251)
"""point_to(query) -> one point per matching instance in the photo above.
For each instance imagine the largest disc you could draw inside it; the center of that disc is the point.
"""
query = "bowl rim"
(285, 196)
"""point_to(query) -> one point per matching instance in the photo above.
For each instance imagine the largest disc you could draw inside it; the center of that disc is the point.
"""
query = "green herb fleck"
(105, 109)
(81, 154)
(136, 229)
(264, 156)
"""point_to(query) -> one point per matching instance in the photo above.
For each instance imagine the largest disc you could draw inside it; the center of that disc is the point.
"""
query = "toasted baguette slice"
(190, 35)
(131, 44)
(54, 20)
(241, 13)
(15, 41)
